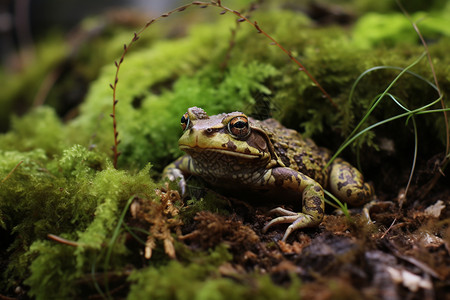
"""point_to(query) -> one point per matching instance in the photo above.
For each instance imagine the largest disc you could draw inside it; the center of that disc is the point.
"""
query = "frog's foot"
(174, 174)
(375, 205)
(177, 175)
(297, 220)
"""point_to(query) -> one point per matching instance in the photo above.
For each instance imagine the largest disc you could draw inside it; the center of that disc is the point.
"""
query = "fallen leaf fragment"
(435, 209)
(409, 280)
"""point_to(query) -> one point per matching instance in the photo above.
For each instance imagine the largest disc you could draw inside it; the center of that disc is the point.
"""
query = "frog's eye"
(239, 127)
(185, 122)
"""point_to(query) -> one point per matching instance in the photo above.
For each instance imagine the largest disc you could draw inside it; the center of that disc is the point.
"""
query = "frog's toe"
(301, 222)
(287, 216)
(282, 212)
(297, 220)
(280, 220)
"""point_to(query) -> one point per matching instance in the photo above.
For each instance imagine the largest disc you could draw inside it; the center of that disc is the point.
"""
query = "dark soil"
(403, 253)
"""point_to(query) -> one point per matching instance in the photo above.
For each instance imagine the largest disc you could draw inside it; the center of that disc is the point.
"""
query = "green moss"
(41, 129)
(392, 29)
(78, 196)
(43, 197)
(52, 271)
(202, 280)
(158, 85)
(108, 190)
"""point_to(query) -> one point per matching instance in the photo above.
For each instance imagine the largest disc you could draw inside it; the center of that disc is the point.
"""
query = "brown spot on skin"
(286, 161)
(317, 188)
(349, 192)
(230, 145)
(349, 180)
(317, 202)
(313, 204)
(298, 158)
(282, 175)
(281, 151)
(247, 151)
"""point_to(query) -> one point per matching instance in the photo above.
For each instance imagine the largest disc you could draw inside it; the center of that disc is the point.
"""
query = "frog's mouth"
(197, 150)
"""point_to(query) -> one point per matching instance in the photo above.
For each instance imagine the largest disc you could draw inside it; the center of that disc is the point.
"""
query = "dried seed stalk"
(12, 171)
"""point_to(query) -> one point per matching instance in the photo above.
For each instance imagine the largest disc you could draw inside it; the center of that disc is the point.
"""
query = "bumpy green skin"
(264, 156)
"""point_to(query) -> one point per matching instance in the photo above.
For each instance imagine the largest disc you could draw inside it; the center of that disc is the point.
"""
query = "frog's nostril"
(209, 132)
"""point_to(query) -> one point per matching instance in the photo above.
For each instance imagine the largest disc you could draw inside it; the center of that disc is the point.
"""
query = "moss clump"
(78, 196)
(394, 28)
(39, 194)
(201, 279)
(41, 129)
(109, 189)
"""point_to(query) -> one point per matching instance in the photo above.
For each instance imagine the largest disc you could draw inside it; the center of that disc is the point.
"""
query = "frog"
(237, 152)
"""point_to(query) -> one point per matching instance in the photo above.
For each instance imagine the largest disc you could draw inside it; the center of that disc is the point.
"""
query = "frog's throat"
(189, 150)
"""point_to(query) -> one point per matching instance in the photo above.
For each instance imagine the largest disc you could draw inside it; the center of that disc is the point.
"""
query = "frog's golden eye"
(185, 122)
(239, 127)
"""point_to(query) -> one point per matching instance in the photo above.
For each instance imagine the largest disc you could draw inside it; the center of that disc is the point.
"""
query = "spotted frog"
(234, 151)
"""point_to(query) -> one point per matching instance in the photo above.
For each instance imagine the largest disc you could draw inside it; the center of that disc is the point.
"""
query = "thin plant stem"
(417, 111)
(430, 62)
(242, 18)
(94, 280)
(372, 107)
(342, 206)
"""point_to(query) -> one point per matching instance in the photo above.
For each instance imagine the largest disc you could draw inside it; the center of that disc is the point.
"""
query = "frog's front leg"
(179, 169)
(313, 203)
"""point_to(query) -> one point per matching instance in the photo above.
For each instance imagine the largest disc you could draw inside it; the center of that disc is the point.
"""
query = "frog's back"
(298, 153)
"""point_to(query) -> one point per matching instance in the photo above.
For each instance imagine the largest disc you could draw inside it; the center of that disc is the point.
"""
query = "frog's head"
(230, 136)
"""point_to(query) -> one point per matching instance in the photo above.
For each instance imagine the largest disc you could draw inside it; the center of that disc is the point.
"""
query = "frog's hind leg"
(313, 204)
(347, 183)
